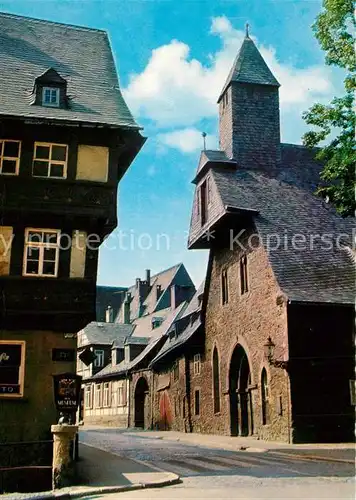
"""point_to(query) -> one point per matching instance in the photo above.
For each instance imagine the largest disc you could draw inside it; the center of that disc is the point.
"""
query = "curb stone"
(89, 491)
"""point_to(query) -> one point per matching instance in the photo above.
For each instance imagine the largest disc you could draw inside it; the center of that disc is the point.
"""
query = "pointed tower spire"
(249, 66)
(249, 110)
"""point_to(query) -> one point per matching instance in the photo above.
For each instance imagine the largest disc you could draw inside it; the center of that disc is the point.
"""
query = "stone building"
(66, 140)
(276, 352)
(116, 383)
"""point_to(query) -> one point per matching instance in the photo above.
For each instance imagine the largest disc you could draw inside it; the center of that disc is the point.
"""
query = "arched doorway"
(141, 399)
(241, 413)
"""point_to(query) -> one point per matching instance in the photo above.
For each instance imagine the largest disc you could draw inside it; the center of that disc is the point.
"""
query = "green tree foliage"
(334, 124)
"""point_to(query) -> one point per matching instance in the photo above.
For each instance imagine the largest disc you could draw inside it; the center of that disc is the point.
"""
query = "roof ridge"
(46, 21)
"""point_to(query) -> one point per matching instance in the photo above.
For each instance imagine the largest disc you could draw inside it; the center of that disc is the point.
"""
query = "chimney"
(109, 315)
(148, 276)
(127, 309)
(173, 297)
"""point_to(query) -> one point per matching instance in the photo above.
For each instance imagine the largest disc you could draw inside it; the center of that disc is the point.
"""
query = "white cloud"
(187, 140)
(175, 90)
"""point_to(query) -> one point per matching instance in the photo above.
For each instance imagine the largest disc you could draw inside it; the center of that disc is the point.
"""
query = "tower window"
(196, 364)
(216, 381)
(204, 191)
(224, 287)
(50, 96)
(41, 254)
(243, 275)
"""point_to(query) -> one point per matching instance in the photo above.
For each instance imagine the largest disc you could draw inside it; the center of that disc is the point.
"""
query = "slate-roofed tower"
(249, 111)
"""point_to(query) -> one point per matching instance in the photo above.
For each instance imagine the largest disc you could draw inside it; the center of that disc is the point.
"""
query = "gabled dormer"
(50, 90)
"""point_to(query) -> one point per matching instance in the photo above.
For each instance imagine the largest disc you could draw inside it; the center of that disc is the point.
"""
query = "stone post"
(62, 465)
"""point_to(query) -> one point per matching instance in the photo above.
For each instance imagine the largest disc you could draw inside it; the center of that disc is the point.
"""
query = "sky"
(172, 59)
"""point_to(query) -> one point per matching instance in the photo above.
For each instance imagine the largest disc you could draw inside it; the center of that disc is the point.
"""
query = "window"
(9, 156)
(196, 364)
(99, 360)
(203, 203)
(243, 275)
(197, 402)
(88, 397)
(98, 393)
(208, 191)
(41, 253)
(216, 381)
(121, 395)
(224, 287)
(50, 96)
(50, 160)
(175, 370)
(12, 368)
(264, 397)
(106, 394)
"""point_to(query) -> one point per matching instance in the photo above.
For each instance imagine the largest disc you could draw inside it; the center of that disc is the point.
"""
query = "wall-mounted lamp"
(269, 348)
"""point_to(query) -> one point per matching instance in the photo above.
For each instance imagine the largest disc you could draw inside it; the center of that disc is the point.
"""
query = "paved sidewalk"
(335, 452)
(101, 472)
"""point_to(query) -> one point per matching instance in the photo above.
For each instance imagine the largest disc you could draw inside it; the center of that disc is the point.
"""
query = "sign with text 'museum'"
(11, 368)
(67, 391)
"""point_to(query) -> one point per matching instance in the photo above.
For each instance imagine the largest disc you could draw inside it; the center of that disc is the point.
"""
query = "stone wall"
(246, 320)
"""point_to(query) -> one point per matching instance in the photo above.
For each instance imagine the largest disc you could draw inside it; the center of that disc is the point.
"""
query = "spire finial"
(204, 139)
(247, 26)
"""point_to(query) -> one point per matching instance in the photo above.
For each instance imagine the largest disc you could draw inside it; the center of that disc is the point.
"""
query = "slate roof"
(103, 333)
(209, 156)
(285, 205)
(108, 296)
(189, 327)
(123, 367)
(150, 304)
(249, 67)
(82, 56)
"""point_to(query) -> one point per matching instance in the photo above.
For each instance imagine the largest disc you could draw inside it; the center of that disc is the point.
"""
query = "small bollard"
(63, 464)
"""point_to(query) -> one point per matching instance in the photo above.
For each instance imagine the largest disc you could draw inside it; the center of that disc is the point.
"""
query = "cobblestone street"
(217, 473)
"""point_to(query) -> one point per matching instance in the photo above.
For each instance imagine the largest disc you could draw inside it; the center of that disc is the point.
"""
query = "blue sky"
(172, 59)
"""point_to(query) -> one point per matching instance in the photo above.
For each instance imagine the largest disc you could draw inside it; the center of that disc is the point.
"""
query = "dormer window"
(50, 96)
(50, 90)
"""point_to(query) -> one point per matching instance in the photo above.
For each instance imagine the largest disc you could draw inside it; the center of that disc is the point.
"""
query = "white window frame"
(21, 378)
(196, 364)
(3, 157)
(120, 395)
(99, 359)
(48, 160)
(41, 246)
(50, 104)
(106, 394)
(88, 397)
(98, 396)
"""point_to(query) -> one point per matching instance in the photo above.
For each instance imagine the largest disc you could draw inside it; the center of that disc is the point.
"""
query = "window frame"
(244, 285)
(51, 104)
(224, 287)
(197, 406)
(216, 381)
(175, 371)
(88, 397)
(3, 157)
(106, 394)
(96, 363)
(48, 160)
(120, 395)
(42, 246)
(98, 396)
(265, 406)
(21, 377)
(197, 364)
